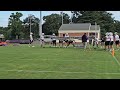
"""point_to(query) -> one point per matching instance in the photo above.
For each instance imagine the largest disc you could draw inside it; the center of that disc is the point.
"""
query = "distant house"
(77, 30)
(1, 37)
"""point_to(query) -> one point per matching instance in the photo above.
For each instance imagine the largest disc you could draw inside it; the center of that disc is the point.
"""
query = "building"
(1, 37)
(77, 30)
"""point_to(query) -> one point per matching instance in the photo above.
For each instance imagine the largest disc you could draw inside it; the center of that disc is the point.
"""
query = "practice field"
(23, 62)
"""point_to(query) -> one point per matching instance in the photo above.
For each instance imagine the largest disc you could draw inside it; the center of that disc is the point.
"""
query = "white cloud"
(116, 14)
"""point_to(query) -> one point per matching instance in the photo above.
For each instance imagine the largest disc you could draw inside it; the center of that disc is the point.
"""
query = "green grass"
(23, 62)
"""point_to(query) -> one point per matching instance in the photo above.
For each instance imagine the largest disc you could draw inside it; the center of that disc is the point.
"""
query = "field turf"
(23, 62)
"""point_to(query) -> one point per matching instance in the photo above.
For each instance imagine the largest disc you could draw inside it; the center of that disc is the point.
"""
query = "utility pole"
(62, 16)
(40, 27)
(95, 29)
(30, 18)
(30, 21)
(95, 33)
(71, 17)
(40, 24)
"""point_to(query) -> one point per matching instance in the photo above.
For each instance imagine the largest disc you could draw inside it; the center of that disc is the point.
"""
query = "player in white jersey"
(107, 41)
(53, 40)
(66, 35)
(111, 41)
(66, 39)
(31, 40)
(117, 40)
(42, 40)
(102, 41)
(97, 41)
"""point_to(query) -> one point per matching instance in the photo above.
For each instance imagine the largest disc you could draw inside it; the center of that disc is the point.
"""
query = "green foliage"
(6, 32)
(34, 27)
(21, 29)
(22, 62)
(117, 26)
(15, 24)
(102, 18)
(53, 22)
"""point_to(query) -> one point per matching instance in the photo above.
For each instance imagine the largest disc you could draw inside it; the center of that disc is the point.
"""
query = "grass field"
(23, 62)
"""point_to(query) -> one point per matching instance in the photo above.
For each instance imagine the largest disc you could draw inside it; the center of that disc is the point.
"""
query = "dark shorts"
(42, 40)
(111, 43)
(54, 41)
(60, 41)
(66, 41)
(70, 42)
(107, 43)
(31, 41)
(117, 42)
(102, 41)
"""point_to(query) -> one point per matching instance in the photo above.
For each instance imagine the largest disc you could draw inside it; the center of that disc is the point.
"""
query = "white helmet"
(106, 34)
(110, 34)
(115, 33)
(31, 33)
(66, 33)
(53, 34)
(42, 33)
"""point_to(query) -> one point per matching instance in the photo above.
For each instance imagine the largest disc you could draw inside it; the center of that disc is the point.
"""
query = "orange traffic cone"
(113, 52)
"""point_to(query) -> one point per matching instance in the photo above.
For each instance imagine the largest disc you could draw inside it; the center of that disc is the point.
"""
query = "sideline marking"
(35, 71)
(115, 59)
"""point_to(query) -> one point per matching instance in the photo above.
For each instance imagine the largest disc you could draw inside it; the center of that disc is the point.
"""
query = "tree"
(53, 22)
(6, 32)
(1, 30)
(15, 24)
(117, 26)
(34, 26)
(102, 18)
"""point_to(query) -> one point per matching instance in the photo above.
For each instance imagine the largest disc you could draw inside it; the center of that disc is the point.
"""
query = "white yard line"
(116, 59)
(108, 73)
(37, 71)
(65, 60)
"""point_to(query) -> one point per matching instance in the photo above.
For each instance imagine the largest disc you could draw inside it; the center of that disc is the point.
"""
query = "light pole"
(71, 17)
(40, 26)
(30, 24)
(30, 16)
(62, 16)
(95, 29)
(95, 34)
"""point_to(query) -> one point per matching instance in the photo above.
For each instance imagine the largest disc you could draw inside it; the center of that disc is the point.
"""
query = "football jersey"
(116, 37)
(31, 38)
(107, 38)
(42, 37)
(111, 38)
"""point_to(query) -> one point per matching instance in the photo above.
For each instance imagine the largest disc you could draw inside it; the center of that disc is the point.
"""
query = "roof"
(93, 27)
(79, 26)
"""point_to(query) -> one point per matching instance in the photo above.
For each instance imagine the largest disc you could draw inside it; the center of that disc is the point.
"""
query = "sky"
(4, 15)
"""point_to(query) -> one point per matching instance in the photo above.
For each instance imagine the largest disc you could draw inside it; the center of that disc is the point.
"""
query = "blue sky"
(4, 15)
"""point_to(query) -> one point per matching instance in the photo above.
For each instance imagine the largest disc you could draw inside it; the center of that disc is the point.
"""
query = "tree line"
(20, 29)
